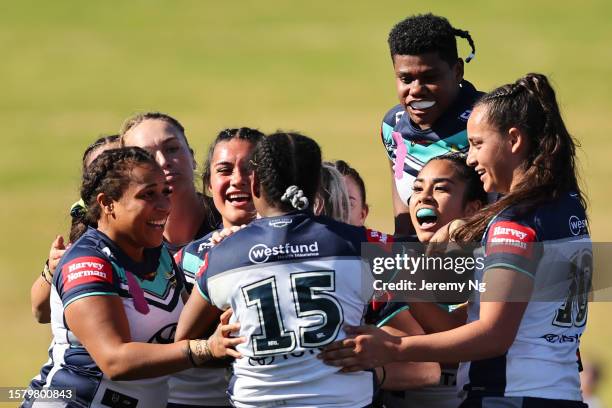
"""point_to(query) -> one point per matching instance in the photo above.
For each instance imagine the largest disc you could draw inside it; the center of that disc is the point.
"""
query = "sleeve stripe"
(90, 294)
(391, 316)
(509, 266)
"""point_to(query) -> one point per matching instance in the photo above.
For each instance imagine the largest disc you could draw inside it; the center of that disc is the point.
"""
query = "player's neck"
(185, 219)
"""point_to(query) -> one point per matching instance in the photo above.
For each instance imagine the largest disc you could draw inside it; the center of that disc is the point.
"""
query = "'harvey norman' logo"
(261, 252)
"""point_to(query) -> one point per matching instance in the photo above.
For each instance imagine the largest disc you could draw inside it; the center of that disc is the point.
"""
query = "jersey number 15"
(310, 296)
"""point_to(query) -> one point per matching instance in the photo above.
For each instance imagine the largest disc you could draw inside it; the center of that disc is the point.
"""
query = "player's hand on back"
(366, 347)
(221, 343)
(219, 236)
(56, 252)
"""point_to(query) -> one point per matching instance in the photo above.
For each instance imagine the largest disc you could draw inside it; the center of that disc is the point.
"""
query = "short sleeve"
(201, 279)
(512, 245)
(85, 275)
(386, 130)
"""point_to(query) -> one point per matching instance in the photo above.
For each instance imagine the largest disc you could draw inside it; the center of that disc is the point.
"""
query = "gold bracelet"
(46, 273)
(200, 351)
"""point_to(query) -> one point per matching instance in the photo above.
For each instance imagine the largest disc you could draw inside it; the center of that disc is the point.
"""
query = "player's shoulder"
(393, 115)
(89, 245)
(87, 261)
(200, 246)
(559, 218)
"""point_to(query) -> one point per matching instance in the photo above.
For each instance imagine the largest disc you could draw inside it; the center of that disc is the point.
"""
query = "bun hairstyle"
(288, 167)
(109, 173)
(423, 33)
(243, 133)
(530, 105)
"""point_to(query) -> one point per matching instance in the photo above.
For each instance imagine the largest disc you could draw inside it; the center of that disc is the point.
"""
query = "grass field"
(73, 70)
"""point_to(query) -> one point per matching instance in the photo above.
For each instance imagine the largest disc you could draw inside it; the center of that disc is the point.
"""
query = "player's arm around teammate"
(513, 131)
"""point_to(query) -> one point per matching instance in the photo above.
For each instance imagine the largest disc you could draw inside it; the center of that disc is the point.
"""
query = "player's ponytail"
(109, 173)
(530, 105)
(283, 160)
(468, 37)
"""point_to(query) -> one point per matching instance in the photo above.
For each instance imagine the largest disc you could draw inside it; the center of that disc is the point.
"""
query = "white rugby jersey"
(197, 386)
(293, 281)
(551, 244)
(95, 266)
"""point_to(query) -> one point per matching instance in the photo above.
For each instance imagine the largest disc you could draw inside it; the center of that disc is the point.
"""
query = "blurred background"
(71, 71)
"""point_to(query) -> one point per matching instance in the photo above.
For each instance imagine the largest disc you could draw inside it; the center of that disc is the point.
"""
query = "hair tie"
(78, 209)
(295, 196)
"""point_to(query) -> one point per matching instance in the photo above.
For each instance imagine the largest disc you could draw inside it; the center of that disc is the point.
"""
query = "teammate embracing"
(434, 103)
(292, 280)
(518, 346)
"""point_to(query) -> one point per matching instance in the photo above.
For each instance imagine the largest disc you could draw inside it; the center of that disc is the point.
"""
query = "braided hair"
(244, 133)
(283, 160)
(109, 173)
(423, 33)
(530, 105)
(78, 209)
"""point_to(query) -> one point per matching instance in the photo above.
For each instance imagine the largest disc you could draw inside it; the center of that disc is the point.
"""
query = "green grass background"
(71, 70)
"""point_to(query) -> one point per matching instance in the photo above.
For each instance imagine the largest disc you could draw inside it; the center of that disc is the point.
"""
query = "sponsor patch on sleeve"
(86, 270)
(511, 237)
(377, 236)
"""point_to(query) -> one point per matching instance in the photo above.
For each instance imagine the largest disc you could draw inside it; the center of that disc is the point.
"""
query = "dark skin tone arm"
(106, 336)
(199, 316)
(407, 375)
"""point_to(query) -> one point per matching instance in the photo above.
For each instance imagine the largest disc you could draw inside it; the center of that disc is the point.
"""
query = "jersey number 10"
(310, 296)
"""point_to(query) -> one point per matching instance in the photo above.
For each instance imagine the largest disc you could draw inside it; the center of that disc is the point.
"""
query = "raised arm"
(41, 288)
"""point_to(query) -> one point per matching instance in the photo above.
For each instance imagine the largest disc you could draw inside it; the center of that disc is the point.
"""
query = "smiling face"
(437, 198)
(490, 153)
(426, 85)
(140, 214)
(170, 150)
(230, 182)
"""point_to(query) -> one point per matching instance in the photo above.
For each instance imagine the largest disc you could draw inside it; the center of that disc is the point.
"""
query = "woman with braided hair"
(519, 343)
(116, 295)
(292, 280)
